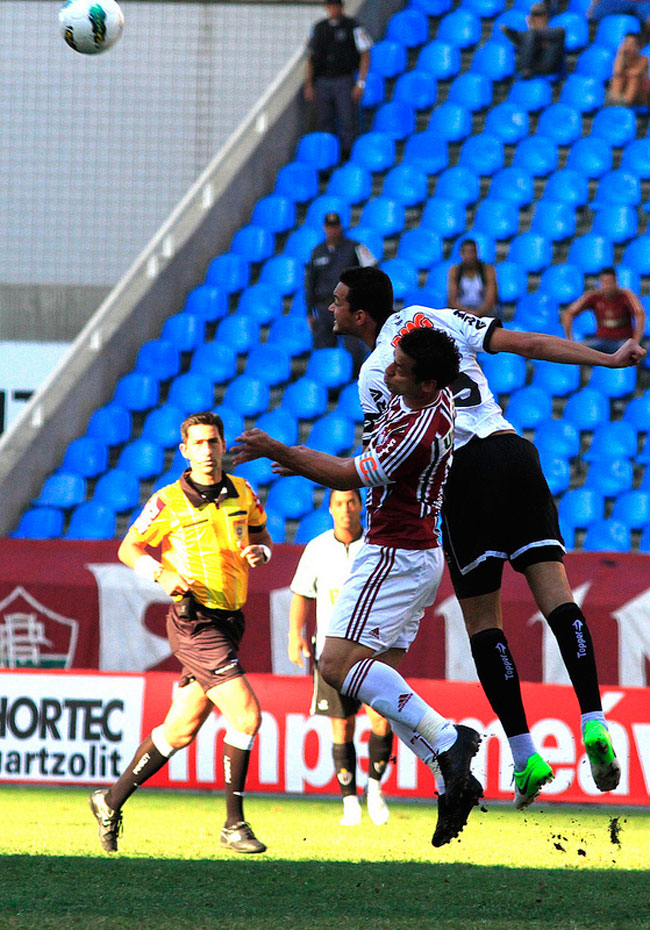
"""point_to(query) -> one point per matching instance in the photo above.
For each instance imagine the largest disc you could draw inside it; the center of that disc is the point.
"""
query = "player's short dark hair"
(369, 289)
(204, 418)
(435, 355)
(611, 271)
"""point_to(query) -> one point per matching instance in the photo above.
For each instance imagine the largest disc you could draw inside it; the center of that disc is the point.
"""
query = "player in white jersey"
(497, 508)
(396, 574)
(322, 570)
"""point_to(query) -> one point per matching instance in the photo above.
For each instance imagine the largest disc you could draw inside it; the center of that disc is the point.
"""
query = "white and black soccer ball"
(91, 26)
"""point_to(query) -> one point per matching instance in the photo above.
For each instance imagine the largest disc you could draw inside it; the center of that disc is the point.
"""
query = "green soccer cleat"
(604, 765)
(528, 783)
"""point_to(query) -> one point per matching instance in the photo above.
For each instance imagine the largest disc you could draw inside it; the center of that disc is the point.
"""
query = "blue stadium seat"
(432, 7)
(403, 275)
(528, 407)
(374, 151)
(618, 187)
(584, 325)
(330, 367)
(409, 27)
(610, 476)
(460, 27)
(216, 361)
(421, 247)
(559, 435)
(495, 60)
(239, 331)
(561, 123)
(471, 90)
(617, 125)
(584, 94)
(538, 155)
(644, 545)
(459, 183)
(387, 58)
(247, 395)
(111, 424)
(406, 184)
(306, 398)
(262, 302)
(581, 507)
(254, 243)
(531, 251)
(270, 363)
(586, 409)
(440, 59)
(514, 18)
(637, 412)
(486, 9)
(563, 282)
(184, 330)
(596, 61)
(191, 392)
(497, 218)
(537, 312)
(118, 490)
(371, 238)
(486, 246)
(207, 302)
(319, 149)
(327, 203)
(557, 380)
(258, 472)
(507, 122)
(446, 218)
(637, 255)
(437, 280)
(505, 373)
(632, 508)
(567, 186)
(613, 382)
(292, 333)
(229, 272)
(636, 158)
(612, 29)
(275, 526)
(617, 221)
(233, 424)
(483, 154)
(142, 458)
(427, 151)
(630, 278)
(385, 215)
(312, 525)
(591, 252)
(451, 121)
(349, 405)
(86, 456)
(557, 471)
(282, 272)
(136, 391)
(291, 497)
(513, 184)
(424, 297)
(512, 281)
(162, 426)
(280, 424)
(333, 434)
(297, 181)
(418, 88)
(40, 523)
(591, 155)
(615, 439)
(607, 536)
(299, 245)
(352, 183)
(158, 358)
(374, 92)
(555, 221)
(531, 95)
(275, 213)
(576, 30)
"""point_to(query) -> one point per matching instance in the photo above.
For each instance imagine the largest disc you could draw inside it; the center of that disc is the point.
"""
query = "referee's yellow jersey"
(202, 540)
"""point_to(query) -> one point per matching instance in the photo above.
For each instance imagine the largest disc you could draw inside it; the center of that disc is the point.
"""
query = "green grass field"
(555, 867)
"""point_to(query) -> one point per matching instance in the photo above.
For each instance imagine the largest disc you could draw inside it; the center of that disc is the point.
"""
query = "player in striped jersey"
(397, 573)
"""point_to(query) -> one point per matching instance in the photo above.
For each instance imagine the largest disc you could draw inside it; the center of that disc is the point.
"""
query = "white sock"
(522, 748)
(373, 786)
(592, 715)
(383, 687)
(161, 744)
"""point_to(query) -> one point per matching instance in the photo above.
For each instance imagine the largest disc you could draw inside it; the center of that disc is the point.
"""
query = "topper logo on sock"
(580, 639)
(502, 649)
(403, 700)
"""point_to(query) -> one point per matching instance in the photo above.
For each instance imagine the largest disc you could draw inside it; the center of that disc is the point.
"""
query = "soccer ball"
(91, 26)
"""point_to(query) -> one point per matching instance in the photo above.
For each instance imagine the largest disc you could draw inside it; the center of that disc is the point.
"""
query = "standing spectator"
(472, 284)
(541, 48)
(322, 271)
(618, 311)
(210, 528)
(321, 573)
(337, 66)
(630, 84)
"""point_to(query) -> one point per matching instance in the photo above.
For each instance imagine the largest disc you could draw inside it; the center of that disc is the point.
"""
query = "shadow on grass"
(62, 893)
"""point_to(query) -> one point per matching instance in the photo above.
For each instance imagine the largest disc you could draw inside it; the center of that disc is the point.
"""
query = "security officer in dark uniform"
(339, 47)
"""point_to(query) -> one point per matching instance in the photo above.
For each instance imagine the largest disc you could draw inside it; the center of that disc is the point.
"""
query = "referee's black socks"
(146, 762)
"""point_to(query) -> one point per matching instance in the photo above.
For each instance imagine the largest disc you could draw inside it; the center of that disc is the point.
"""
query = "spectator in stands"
(337, 65)
(322, 272)
(619, 314)
(630, 84)
(540, 48)
(638, 8)
(472, 284)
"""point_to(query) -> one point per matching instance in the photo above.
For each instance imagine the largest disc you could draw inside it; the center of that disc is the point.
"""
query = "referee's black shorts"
(497, 507)
(206, 642)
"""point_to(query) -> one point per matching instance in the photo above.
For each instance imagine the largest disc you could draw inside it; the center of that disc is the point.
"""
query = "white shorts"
(382, 601)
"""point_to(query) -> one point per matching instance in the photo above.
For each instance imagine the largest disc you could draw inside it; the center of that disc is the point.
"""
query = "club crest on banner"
(32, 635)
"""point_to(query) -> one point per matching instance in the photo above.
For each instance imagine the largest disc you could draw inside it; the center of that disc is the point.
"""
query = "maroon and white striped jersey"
(405, 467)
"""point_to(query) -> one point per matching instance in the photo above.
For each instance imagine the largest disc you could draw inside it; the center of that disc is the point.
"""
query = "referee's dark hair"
(434, 353)
(204, 418)
(370, 289)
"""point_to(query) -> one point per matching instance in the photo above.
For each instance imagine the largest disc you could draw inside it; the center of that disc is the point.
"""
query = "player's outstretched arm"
(328, 470)
(553, 349)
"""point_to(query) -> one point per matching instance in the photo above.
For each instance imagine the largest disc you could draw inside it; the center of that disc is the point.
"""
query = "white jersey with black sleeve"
(477, 412)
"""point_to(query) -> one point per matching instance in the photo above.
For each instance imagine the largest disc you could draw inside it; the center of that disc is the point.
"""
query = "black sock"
(345, 766)
(574, 639)
(145, 763)
(235, 769)
(499, 678)
(379, 750)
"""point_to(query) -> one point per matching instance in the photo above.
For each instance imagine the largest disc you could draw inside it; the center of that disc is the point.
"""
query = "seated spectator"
(541, 48)
(639, 8)
(630, 84)
(619, 314)
(472, 284)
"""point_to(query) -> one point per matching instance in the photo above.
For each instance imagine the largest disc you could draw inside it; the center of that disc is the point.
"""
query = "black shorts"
(328, 702)
(497, 507)
(206, 643)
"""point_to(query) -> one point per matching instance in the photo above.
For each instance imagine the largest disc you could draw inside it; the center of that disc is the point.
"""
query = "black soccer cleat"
(109, 821)
(451, 820)
(240, 838)
(462, 789)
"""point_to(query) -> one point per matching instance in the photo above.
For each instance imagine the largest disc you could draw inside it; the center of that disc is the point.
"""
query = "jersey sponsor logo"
(151, 510)
(419, 321)
(403, 700)
(471, 319)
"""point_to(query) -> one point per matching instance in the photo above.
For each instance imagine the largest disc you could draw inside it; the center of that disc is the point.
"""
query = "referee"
(209, 527)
